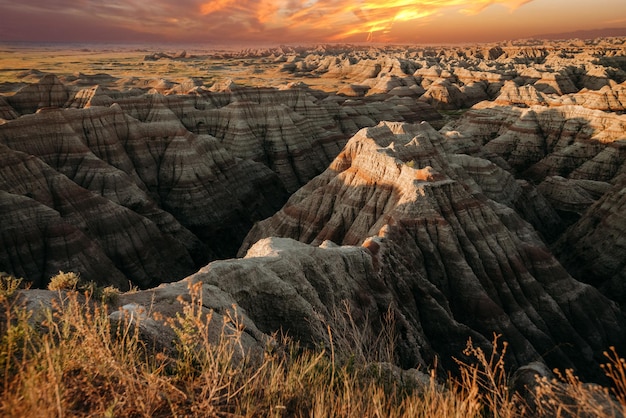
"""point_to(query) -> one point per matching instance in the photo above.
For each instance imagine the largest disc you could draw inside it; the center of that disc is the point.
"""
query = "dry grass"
(76, 363)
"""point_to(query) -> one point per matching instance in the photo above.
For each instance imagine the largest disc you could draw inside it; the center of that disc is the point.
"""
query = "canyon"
(443, 193)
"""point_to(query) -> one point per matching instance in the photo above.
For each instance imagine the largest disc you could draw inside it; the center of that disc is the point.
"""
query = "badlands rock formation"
(155, 201)
(458, 263)
(540, 142)
(508, 220)
(593, 248)
(181, 178)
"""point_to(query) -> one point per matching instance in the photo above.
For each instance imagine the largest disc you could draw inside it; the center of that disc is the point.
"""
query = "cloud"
(296, 20)
(336, 20)
(473, 8)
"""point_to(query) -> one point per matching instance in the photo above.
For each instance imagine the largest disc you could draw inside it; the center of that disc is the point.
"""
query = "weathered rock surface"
(145, 179)
(6, 111)
(301, 289)
(539, 141)
(158, 200)
(48, 92)
(566, 72)
(155, 313)
(594, 248)
(573, 154)
(459, 263)
(190, 165)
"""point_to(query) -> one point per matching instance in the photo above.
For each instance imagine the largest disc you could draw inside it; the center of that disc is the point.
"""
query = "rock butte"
(502, 213)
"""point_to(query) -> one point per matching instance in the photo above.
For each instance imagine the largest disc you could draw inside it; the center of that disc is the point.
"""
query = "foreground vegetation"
(74, 362)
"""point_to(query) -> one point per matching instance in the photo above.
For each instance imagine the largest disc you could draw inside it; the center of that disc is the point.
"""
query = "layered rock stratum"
(502, 214)
(191, 173)
(458, 262)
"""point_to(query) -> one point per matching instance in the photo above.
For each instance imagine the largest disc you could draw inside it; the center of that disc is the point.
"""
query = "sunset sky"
(291, 21)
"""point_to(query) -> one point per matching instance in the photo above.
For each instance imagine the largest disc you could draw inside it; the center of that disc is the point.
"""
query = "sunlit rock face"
(539, 141)
(460, 262)
(563, 73)
(573, 154)
(291, 130)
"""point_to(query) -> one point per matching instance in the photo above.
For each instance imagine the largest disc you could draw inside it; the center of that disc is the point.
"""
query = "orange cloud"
(288, 20)
(338, 20)
(215, 6)
(477, 7)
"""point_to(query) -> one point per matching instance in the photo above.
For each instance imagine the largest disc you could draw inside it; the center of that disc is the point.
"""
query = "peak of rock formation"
(48, 92)
(459, 263)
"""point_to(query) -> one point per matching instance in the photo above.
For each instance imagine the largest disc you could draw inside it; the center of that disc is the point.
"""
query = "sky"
(301, 21)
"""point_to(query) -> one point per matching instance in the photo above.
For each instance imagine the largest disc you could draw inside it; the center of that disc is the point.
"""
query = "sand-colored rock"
(540, 141)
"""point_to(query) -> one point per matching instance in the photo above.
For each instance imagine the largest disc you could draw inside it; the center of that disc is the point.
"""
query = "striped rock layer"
(152, 202)
(197, 169)
(457, 263)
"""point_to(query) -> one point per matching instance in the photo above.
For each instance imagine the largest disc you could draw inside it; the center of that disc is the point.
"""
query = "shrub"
(64, 281)
(9, 285)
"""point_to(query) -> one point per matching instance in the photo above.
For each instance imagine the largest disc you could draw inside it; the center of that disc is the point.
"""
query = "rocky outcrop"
(290, 130)
(6, 111)
(48, 92)
(50, 224)
(571, 195)
(442, 94)
(157, 200)
(609, 98)
(164, 55)
(558, 83)
(536, 142)
(87, 97)
(285, 130)
(574, 155)
(197, 166)
(302, 289)
(147, 178)
(593, 248)
(520, 96)
(458, 263)
(156, 312)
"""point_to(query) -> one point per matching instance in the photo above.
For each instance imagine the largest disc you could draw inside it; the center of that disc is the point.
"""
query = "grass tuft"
(64, 281)
(75, 363)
